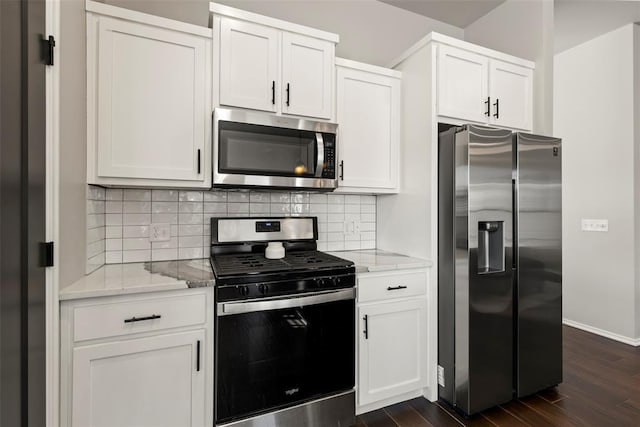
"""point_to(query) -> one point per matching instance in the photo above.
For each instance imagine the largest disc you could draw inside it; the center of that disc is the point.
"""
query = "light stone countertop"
(120, 279)
(372, 260)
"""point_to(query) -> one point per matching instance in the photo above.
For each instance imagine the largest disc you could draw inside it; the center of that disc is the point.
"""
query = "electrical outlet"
(159, 232)
(440, 376)
(595, 225)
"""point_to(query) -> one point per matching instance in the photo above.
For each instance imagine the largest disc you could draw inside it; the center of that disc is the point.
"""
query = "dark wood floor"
(601, 388)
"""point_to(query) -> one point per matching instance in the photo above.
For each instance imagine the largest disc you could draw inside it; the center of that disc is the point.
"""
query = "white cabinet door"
(151, 381)
(393, 352)
(248, 65)
(368, 112)
(511, 89)
(462, 84)
(307, 76)
(152, 115)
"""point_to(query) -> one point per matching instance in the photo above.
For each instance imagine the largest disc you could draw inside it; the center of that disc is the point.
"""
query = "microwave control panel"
(329, 167)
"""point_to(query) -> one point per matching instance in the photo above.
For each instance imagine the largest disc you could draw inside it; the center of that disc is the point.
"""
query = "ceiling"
(460, 13)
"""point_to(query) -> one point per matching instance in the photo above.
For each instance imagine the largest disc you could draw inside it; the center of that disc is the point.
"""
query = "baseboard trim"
(603, 333)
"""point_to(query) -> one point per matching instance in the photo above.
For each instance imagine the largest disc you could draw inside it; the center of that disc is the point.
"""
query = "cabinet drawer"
(392, 285)
(121, 318)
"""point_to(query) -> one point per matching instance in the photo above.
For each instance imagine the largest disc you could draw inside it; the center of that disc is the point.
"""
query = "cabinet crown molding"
(461, 44)
(145, 18)
(222, 10)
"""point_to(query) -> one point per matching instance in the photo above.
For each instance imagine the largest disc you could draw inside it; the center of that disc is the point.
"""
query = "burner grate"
(238, 264)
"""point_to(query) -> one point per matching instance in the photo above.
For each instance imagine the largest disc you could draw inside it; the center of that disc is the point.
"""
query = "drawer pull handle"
(140, 319)
(395, 288)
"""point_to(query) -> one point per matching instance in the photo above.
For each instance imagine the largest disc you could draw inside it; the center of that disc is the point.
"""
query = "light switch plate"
(595, 225)
(159, 232)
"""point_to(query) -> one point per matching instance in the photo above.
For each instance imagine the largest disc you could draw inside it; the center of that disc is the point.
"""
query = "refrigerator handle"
(514, 231)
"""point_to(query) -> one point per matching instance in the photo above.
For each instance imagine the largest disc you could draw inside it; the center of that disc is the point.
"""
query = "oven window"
(270, 359)
(263, 150)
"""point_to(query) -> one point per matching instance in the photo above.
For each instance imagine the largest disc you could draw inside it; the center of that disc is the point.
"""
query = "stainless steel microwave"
(252, 149)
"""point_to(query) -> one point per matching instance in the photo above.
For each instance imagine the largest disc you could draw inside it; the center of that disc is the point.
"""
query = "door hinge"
(47, 50)
(46, 254)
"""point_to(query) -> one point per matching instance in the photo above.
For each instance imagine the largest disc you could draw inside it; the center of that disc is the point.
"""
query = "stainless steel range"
(284, 335)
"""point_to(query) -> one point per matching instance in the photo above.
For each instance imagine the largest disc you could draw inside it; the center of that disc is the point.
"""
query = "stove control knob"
(263, 288)
(244, 290)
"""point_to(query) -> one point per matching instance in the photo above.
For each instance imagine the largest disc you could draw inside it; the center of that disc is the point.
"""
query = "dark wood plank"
(404, 415)
(557, 415)
(500, 417)
(527, 415)
(591, 408)
(475, 421)
(377, 418)
(434, 413)
(551, 395)
(359, 422)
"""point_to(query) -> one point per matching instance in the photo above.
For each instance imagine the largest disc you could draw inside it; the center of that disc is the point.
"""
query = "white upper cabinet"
(475, 87)
(307, 69)
(511, 95)
(462, 84)
(148, 100)
(271, 65)
(249, 57)
(368, 114)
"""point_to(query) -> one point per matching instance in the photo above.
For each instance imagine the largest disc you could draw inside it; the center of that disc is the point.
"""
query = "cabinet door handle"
(497, 105)
(273, 92)
(366, 326)
(198, 356)
(140, 319)
(288, 94)
(395, 288)
(488, 102)
(341, 170)
(198, 161)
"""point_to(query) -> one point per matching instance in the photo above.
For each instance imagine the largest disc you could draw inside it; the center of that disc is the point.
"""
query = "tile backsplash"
(119, 220)
(95, 227)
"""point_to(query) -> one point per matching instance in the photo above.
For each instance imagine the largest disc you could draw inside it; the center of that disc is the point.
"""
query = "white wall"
(579, 21)
(523, 29)
(370, 31)
(594, 114)
(73, 136)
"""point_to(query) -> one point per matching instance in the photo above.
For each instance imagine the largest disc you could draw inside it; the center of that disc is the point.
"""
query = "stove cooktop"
(256, 263)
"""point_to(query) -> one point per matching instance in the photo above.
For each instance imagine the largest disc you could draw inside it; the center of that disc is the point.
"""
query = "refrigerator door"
(538, 223)
(483, 268)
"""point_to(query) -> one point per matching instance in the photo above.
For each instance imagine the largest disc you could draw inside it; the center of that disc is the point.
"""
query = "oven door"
(280, 352)
(253, 149)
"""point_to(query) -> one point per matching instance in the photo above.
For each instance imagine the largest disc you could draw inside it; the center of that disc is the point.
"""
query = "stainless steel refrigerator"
(499, 265)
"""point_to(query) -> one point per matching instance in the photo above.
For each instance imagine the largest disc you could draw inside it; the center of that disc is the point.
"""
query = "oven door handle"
(227, 308)
(320, 148)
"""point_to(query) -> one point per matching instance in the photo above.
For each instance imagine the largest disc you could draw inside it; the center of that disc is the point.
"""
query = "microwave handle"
(320, 148)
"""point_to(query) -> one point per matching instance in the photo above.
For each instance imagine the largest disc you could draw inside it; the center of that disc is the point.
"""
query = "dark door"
(22, 213)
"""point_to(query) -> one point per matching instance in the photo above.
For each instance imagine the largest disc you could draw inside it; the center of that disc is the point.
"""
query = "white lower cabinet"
(154, 381)
(153, 367)
(392, 338)
(393, 351)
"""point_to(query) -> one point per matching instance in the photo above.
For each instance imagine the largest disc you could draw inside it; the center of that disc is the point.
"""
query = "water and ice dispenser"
(490, 247)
